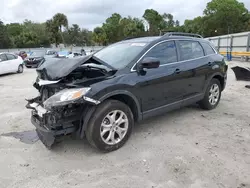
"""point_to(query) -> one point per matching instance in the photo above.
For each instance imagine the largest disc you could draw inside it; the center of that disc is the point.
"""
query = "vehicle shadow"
(140, 129)
(165, 119)
(5, 75)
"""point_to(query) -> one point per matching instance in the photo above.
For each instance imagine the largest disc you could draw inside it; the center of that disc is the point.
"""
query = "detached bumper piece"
(52, 125)
(241, 73)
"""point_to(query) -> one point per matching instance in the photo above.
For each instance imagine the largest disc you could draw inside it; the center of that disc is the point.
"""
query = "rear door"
(194, 67)
(4, 64)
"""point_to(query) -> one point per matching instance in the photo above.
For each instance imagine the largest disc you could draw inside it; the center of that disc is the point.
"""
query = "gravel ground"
(187, 148)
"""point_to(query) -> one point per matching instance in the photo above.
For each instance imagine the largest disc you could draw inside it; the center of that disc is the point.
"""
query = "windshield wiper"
(102, 62)
(99, 68)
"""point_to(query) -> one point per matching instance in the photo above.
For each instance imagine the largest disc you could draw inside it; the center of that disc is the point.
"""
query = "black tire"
(205, 103)
(20, 69)
(93, 131)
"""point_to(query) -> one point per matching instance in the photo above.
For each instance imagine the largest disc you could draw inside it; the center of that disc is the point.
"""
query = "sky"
(91, 13)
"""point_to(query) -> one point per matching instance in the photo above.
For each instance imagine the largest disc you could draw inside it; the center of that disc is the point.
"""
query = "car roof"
(161, 38)
(142, 39)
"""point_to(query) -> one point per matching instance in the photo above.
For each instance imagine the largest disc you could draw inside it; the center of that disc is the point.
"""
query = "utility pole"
(229, 53)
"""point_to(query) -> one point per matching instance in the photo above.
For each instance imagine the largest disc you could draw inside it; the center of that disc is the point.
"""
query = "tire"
(211, 100)
(103, 116)
(20, 69)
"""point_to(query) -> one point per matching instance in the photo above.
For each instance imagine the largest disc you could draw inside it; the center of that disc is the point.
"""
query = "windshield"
(37, 54)
(120, 55)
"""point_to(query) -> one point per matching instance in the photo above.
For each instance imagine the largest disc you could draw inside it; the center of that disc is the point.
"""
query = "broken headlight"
(65, 96)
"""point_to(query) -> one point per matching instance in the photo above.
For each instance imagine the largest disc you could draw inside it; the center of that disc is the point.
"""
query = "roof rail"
(181, 34)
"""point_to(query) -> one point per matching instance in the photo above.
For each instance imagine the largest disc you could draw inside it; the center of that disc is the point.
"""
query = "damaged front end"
(63, 104)
(56, 118)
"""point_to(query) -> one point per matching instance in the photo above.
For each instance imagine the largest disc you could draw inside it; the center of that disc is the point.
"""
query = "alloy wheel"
(114, 127)
(214, 94)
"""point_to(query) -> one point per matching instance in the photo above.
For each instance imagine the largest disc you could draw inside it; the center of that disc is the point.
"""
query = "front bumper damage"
(52, 125)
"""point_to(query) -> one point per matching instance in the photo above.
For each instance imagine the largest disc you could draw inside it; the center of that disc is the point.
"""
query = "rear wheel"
(111, 126)
(212, 95)
(20, 69)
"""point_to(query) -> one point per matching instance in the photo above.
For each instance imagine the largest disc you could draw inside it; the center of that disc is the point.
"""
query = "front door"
(161, 89)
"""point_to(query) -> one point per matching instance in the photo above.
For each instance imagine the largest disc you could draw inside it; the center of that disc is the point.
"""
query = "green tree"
(60, 20)
(54, 27)
(14, 29)
(39, 29)
(86, 37)
(53, 32)
(197, 25)
(168, 20)
(131, 27)
(5, 41)
(225, 16)
(155, 21)
(112, 28)
(74, 34)
(99, 36)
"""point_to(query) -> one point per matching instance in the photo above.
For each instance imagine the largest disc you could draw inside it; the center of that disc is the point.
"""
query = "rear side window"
(3, 57)
(165, 52)
(208, 49)
(10, 56)
(190, 50)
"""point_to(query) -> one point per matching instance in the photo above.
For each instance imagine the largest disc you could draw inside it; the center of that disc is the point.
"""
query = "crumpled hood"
(54, 68)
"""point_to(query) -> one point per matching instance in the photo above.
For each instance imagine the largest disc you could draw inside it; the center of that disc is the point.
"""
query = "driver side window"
(165, 52)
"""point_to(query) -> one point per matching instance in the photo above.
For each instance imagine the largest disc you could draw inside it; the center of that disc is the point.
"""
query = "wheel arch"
(127, 98)
(221, 80)
(219, 76)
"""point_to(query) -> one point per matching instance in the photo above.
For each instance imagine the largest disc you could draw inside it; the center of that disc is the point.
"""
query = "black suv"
(101, 95)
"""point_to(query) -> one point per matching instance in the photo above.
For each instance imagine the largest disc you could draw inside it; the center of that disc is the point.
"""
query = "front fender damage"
(55, 123)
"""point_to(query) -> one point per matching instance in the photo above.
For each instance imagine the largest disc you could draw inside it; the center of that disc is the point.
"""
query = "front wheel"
(212, 95)
(111, 126)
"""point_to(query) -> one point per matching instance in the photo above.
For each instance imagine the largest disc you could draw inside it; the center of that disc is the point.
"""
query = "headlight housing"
(65, 96)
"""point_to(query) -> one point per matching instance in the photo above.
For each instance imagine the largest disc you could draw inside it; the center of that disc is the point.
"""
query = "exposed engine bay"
(82, 76)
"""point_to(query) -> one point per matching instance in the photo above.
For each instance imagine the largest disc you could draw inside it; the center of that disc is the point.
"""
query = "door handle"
(210, 64)
(177, 71)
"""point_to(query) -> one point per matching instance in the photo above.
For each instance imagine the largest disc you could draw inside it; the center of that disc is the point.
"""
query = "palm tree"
(60, 20)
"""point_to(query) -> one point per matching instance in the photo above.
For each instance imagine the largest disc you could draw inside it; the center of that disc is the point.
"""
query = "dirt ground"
(189, 148)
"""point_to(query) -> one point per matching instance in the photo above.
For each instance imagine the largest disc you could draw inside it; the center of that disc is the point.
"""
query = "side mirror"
(149, 63)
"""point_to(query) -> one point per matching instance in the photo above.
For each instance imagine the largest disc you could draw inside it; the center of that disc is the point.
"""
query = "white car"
(10, 63)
